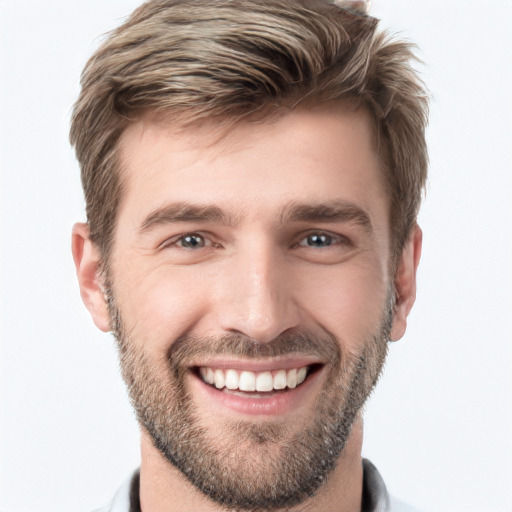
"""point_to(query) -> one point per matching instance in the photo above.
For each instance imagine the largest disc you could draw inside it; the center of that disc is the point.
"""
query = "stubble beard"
(247, 466)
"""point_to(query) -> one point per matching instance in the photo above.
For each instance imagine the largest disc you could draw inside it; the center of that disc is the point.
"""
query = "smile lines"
(254, 381)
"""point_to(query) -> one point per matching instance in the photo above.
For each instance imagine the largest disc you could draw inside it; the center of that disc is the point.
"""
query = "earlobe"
(405, 282)
(86, 256)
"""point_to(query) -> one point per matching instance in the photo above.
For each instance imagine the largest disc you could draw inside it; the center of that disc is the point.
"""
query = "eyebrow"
(185, 212)
(330, 212)
(334, 211)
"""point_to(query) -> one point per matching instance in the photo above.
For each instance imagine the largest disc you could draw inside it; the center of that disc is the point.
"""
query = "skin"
(257, 273)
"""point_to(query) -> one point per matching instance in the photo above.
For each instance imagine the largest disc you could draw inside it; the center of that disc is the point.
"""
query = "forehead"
(323, 153)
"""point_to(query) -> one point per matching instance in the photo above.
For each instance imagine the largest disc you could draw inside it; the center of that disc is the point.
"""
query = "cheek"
(347, 301)
(161, 305)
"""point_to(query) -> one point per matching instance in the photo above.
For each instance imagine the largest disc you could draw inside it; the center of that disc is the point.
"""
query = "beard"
(248, 465)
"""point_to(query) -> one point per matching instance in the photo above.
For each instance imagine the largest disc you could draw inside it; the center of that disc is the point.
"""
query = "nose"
(255, 295)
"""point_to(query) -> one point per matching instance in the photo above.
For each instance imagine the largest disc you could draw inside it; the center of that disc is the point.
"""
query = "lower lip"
(275, 404)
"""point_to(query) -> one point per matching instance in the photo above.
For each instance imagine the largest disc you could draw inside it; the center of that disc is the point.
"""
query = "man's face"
(251, 294)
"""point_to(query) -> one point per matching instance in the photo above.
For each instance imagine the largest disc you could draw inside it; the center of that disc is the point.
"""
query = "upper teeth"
(253, 381)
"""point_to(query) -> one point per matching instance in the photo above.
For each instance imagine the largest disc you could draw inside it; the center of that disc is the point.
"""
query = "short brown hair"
(199, 59)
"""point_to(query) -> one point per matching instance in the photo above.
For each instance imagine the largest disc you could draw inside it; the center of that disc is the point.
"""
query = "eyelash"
(174, 241)
(334, 239)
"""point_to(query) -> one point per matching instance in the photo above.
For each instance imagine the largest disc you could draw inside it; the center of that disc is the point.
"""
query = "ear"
(405, 282)
(86, 256)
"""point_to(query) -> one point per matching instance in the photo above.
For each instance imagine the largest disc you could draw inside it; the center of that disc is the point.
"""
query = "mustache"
(188, 349)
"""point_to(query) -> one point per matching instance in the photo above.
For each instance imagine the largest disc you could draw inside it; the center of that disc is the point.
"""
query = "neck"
(163, 488)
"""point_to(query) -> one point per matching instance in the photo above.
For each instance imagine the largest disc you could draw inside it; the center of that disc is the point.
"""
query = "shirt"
(375, 495)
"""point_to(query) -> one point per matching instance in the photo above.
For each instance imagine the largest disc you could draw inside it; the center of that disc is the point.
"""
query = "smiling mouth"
(232, 380)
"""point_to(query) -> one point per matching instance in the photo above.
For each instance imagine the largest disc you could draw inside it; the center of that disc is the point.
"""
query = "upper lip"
(259, 365)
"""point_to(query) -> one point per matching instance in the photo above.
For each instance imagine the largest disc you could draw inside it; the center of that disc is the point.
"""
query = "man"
(252, 173)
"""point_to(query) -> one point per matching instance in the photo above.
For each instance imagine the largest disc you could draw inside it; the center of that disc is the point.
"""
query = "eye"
(320, 240)
(317, 240)
(323, 247)
(187, 241)
(189, 248)
(191, 241)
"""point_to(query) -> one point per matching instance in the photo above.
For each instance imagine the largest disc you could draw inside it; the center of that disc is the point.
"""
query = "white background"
(439, 427)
